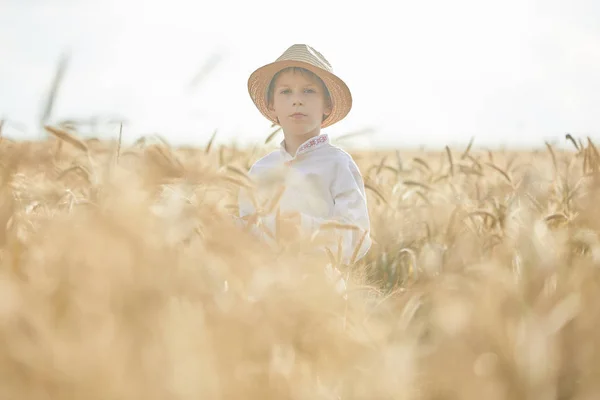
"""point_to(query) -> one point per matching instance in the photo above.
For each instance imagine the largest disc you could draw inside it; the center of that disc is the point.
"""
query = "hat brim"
(341, 98)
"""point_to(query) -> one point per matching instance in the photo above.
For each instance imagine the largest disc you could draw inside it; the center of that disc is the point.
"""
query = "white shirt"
(321, 182)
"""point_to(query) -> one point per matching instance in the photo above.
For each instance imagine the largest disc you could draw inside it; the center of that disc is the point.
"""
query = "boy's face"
(299, 103)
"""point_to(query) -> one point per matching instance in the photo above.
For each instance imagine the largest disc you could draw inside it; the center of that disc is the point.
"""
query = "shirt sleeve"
(246, 208)
(245, 204)
(350, 207)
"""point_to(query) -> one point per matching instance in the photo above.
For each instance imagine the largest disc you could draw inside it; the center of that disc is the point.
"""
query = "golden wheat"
(125, 275)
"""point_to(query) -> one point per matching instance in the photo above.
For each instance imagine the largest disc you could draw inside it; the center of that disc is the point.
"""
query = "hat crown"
(307, 54)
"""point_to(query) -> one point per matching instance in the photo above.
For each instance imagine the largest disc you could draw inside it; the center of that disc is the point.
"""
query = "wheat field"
(124, 276)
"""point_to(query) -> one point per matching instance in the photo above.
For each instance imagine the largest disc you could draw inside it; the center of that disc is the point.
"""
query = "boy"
(321, 183)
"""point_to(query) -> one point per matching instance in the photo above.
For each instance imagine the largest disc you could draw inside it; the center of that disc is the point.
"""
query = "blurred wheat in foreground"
(123, 276)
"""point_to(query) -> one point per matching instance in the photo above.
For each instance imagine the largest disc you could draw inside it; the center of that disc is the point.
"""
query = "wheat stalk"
(65, 136)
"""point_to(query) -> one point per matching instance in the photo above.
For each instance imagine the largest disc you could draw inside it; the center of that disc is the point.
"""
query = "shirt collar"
(308, 146)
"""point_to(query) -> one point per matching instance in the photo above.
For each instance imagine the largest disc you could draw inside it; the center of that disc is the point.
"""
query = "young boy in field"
(312, 181)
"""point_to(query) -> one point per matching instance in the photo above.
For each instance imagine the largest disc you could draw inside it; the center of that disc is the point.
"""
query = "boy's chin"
(301, 131)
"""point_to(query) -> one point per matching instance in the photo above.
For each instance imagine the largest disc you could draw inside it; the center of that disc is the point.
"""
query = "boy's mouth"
(295, 115)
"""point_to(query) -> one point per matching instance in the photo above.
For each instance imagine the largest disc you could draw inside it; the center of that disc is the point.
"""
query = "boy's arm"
(246, 209)
(350, 207)
(245, 206)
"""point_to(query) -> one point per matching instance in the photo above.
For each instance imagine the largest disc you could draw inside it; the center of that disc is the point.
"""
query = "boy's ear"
(271, 109)
(328, 108)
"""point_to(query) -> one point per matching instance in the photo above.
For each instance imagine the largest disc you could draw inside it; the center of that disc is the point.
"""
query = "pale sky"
(432, 72)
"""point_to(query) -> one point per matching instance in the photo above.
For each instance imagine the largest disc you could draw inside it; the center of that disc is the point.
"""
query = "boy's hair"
(303, 71)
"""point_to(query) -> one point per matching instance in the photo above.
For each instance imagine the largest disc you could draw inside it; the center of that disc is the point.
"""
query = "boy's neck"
(293, 143)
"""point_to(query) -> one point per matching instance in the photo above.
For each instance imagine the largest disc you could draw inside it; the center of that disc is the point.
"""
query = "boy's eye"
(286, 91)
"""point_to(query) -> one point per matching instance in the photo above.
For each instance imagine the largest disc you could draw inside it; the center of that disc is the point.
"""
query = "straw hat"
(301, 55)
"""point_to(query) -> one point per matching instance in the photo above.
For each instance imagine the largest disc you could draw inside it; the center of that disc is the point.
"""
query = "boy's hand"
(291, 216)
(289, 225)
